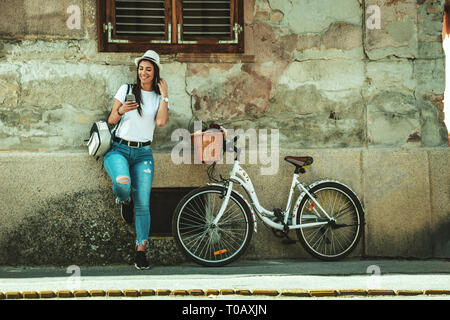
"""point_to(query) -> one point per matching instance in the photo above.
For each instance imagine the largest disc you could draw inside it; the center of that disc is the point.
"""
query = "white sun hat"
(149, 55)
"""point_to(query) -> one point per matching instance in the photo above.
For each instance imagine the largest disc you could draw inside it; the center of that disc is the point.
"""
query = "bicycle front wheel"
(202, 241)
(336, 240)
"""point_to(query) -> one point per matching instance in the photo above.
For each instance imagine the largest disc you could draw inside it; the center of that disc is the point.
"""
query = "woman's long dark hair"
(137, 87)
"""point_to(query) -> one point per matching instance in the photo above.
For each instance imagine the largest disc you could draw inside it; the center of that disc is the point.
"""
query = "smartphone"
(130, 97)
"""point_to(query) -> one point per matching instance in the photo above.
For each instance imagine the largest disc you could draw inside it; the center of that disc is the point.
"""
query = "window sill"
(215, 58)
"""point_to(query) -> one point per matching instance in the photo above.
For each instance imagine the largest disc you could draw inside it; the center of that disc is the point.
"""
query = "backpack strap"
(116, 127)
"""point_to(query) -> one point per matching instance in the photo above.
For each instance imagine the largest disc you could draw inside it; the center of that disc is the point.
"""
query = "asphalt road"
(269, 274)
(280, 276)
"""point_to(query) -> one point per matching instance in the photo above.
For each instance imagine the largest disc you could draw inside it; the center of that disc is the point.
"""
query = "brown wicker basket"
(208, 145)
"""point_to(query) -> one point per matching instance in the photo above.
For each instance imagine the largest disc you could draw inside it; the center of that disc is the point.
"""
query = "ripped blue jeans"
(131, 170)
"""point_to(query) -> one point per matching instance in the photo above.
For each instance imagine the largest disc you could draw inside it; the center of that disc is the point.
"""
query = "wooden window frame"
(169, 45)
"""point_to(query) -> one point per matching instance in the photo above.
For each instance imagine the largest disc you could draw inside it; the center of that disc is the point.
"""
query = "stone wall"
(319, 74)
(59, 209)
(359, 96)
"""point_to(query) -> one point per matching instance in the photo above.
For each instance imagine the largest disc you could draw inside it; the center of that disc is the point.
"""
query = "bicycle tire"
(199, 240)
(346, 232)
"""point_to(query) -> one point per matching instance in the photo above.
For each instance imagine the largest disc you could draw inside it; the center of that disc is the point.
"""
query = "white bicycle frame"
(239, 175)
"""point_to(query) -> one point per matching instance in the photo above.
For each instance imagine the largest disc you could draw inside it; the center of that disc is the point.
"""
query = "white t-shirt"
(134, 127)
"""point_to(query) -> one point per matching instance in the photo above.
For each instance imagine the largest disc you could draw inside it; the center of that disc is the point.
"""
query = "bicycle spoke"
(194, 238)
(200, 207)
(334, 205)
(208, 242)
(346, 211)
(195, 213)
(319, 239)
(194, 216)
(334, 236)
(309, 230)
(232, 236)
(338, 236)
(227, 245)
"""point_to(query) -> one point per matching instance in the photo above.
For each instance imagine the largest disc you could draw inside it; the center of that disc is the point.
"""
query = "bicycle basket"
(208, 145)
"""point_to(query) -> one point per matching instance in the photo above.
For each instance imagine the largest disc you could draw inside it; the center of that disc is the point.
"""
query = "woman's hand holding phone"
(128, 105)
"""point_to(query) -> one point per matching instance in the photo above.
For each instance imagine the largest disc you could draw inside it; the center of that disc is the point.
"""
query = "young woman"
(130, 163)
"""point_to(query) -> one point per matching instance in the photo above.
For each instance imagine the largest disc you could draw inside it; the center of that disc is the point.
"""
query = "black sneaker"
(141, 261)
(126, 211)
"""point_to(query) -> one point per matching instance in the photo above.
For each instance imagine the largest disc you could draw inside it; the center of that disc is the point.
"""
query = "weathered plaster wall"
(319, 75)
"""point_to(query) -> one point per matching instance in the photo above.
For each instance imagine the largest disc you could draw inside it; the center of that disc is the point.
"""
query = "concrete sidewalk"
(263, 278)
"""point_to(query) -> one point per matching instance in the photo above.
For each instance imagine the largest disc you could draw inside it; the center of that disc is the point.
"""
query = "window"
(171, 26)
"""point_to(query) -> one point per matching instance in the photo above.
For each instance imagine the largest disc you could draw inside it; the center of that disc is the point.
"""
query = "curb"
(352, 292)
(323, 293)
(134, 293)
(381, 292)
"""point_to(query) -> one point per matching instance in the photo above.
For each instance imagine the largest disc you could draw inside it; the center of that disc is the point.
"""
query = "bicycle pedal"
(288, 241)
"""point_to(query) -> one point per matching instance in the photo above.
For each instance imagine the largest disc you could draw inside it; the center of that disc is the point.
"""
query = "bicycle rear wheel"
(203, 242)
(332, 241)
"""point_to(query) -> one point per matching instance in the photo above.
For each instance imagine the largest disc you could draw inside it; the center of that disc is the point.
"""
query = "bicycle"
(213, 225)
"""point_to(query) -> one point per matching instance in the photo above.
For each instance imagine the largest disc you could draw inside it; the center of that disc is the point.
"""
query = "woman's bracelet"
(120, 114)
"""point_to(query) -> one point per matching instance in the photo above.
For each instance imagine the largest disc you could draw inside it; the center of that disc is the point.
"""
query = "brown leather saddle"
(299, 161)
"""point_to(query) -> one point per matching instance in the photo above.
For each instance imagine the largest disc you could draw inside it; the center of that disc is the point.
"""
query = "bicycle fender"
(312, 185)
(255, 225)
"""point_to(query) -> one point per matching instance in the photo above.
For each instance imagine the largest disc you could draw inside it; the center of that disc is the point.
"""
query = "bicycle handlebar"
(211, 169)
